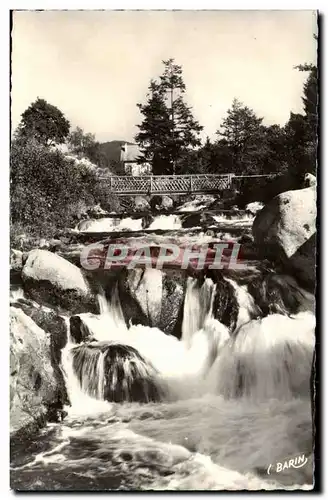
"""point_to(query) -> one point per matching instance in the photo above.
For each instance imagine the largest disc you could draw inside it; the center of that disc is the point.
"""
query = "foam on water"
(267, 358)
(198, 204)
(200, 444)
(248, 310)
(235, 403)
(236, 219)
(16, 293)
(166, 222)
(109, 225)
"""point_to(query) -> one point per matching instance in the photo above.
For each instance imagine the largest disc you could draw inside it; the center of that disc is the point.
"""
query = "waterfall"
(16, 293)
(109, 225)
(115, 372)
(267, 358)
(247, 309)
(81, 402)
(166, 222)
(88, 365)
(261, 358)
(197, 307)
(143, 363)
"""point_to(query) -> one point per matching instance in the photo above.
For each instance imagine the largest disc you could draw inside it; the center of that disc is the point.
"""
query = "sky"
(95, 66)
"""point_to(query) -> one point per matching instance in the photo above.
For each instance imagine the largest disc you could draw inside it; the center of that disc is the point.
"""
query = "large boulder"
(159, 202)
(152, 297)
(253, 208)
(284, 231)
(52, 279)
(127, 375)
(33, 385)
(167, 203)
(310, 180)
(141, 204)
(83, 327)
(197, 219)
(16, 260)
(96, 211)
(55, 327)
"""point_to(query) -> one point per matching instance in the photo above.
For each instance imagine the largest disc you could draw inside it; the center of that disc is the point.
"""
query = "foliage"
(301, 130)
(43, 122)
(242, 133)
(155, 136)
(46, 188)
(85, 145)
(168, 132)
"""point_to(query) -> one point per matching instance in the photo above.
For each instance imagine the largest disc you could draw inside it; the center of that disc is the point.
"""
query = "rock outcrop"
(285, 232)
(56, 329)
(253, 208)
(48, 278)
(141, 204)
(158, 202)
(152, 297)
(197, 219)
(16, 260)
(33, 385)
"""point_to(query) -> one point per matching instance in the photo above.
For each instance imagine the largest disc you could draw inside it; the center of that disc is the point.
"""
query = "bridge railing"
(159, 184)
(177, 184)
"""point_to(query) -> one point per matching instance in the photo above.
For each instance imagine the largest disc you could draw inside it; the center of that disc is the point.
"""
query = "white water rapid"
(221, 406)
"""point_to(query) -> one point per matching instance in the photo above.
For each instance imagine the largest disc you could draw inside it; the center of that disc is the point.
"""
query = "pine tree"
(155, 131)
(301, 130)
(169, 131)
(242, 132)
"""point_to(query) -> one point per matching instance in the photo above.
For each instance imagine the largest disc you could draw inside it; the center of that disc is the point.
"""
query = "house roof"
(130, 152)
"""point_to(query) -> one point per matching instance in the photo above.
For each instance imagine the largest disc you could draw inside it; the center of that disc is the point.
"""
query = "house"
(129, 156)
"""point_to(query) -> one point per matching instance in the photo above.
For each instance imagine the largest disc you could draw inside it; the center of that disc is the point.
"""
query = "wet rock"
(80, 327)
(174, 285)
(96, 211)
(152, 297)
(127, 375)
(225, 303)
(285, 232)
(56, 329)
(146, 221)
(51, 279)
(198, 219)
(158, 202)
(141, 204)
(167, 203)
(310, 180)
(16, 260)
(280, 294)
(33, 383)
(253, 208)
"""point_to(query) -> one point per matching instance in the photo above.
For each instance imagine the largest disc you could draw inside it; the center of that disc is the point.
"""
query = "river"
(219, 409)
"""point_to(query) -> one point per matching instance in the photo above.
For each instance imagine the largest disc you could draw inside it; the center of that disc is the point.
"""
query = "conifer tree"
(168, 132)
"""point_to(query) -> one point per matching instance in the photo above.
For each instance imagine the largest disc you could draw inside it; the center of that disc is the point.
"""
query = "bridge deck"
(172, 184)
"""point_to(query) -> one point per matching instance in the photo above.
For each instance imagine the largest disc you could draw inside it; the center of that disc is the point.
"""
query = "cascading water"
(253, 361)
(268, 357)
(197, 307)
(201, 428)
(107, 224)
(126, 358)
(80, 400)
(166, 222)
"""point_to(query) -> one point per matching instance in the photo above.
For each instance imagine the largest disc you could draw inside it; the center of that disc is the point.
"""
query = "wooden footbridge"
(172, 184)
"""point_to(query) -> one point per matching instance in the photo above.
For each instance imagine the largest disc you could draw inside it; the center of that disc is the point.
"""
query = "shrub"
(46, 188)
